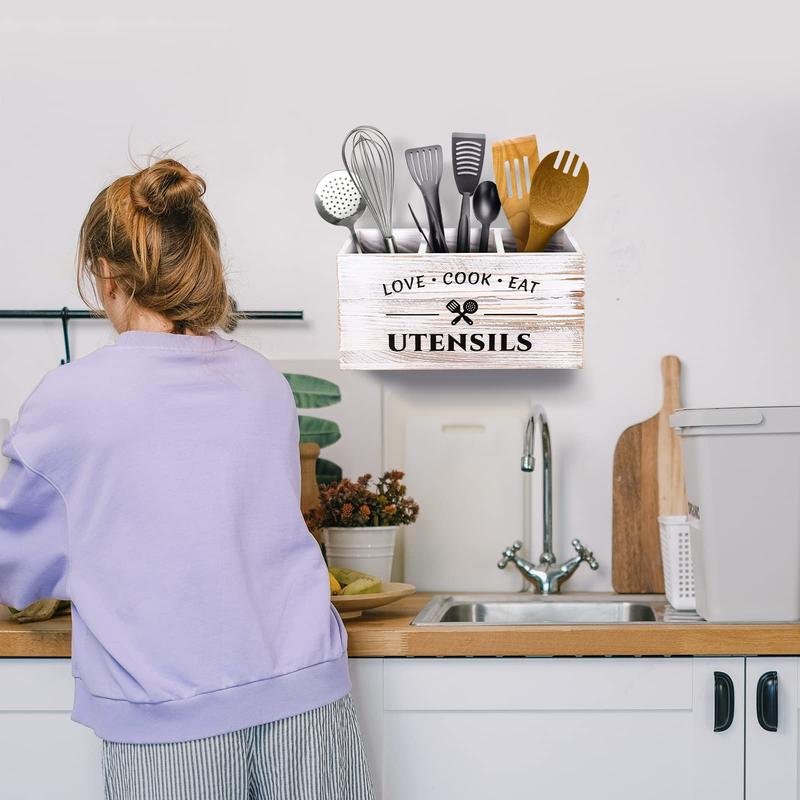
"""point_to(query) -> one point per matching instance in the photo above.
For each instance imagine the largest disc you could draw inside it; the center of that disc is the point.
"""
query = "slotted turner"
(426, 165)
(515, 161)
(468, 152)
(557, 191)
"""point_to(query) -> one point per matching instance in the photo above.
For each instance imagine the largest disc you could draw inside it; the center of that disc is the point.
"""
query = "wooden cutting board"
(648, 482)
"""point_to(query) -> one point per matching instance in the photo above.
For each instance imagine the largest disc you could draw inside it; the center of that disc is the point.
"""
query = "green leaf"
(322, 431)
(311, 392)
(327, 472)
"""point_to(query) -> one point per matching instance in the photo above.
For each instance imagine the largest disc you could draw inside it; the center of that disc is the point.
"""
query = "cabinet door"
(43, 753)
(771, 737)
(367, 678)
(589, 727)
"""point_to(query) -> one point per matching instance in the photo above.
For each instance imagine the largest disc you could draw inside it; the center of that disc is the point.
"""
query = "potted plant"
(359, 523)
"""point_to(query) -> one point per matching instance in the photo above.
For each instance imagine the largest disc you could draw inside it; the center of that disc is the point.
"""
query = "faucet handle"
(585, 554)
(509, 553)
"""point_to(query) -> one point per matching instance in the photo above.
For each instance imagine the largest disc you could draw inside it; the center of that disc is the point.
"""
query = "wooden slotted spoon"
(556, 194)
(515, 161)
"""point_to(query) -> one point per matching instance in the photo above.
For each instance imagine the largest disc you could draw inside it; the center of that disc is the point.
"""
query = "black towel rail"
(66, 314)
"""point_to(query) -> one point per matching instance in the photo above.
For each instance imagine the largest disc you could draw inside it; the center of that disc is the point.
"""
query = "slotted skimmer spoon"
(557, 191)
(425, 165)
(339, 202)
(515, 161)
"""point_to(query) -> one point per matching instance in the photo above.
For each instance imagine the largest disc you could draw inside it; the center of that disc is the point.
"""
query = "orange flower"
(349, 503)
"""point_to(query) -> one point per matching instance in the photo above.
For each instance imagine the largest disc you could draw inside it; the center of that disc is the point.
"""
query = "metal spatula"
(515, 161)
(468, 152)
(425, 165)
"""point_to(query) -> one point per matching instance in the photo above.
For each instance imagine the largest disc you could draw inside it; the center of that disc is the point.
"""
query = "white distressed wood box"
(497, 310)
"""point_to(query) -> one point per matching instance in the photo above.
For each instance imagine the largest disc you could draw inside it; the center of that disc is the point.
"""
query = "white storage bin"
(676, 556)
(742, 470)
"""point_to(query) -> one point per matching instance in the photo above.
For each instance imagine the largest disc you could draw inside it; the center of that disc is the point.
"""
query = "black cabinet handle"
(767, 701)
(723, 702)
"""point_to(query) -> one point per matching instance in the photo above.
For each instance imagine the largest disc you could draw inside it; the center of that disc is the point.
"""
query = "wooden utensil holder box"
(496, 310)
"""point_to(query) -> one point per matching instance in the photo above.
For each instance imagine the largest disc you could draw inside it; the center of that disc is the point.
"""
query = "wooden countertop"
(51, 638)
(386, 632)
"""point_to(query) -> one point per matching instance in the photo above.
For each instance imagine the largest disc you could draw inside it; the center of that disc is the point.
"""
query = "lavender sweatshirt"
(155, 483)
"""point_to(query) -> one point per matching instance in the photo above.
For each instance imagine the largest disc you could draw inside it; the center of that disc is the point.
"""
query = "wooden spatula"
(515, 161)
(557, 191)
(648, 482)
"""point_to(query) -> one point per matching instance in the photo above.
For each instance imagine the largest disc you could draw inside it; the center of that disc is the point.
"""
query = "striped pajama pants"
(317, 755)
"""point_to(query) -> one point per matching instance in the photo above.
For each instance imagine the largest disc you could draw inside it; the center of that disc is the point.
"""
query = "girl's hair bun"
(166, 187)
(160, 245)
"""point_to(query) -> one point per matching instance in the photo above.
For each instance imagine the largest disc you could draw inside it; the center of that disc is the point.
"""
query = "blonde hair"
(162, 247)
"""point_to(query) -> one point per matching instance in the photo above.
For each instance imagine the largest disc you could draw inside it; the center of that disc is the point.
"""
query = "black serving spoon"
(486, 205)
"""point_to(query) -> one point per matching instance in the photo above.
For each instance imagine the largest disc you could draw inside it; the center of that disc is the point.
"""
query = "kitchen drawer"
(538, 684)
(36, 684)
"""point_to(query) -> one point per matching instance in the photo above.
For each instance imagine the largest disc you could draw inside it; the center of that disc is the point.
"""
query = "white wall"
(687, 114)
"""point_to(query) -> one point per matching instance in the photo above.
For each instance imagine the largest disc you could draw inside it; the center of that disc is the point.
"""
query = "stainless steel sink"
(526, 609)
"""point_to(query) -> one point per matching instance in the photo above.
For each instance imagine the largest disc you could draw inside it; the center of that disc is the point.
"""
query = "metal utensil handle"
(462, 241)
(356, 240)
(419, 228)
(483, 247)
(437, 209)
(435, 229)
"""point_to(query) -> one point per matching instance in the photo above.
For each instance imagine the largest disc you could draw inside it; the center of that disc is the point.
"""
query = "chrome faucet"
(546, 576)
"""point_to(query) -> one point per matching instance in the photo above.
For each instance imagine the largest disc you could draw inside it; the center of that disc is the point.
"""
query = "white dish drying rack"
(676, 555)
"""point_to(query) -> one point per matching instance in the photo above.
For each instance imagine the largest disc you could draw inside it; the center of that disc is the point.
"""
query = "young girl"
(155, 483)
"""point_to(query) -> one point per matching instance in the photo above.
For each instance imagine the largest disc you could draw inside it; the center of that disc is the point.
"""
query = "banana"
(364, 585)
(345, 576)
(355, 582)
(336, 587)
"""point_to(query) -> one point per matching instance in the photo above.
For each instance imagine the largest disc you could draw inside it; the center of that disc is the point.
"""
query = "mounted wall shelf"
(66, 314)
(497, 310)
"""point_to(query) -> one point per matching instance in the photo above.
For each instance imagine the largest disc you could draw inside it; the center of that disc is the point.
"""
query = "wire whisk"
(369, 160)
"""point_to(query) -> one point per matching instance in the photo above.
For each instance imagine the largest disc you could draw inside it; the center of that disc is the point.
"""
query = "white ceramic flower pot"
(369, 549)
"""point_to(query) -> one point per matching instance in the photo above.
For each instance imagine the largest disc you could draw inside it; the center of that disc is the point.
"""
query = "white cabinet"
(43, 753)
(771, 722)
(441, 728)
(367, 678)
(591, 727)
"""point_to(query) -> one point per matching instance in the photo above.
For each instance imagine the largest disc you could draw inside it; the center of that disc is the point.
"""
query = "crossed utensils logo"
(461, 312)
